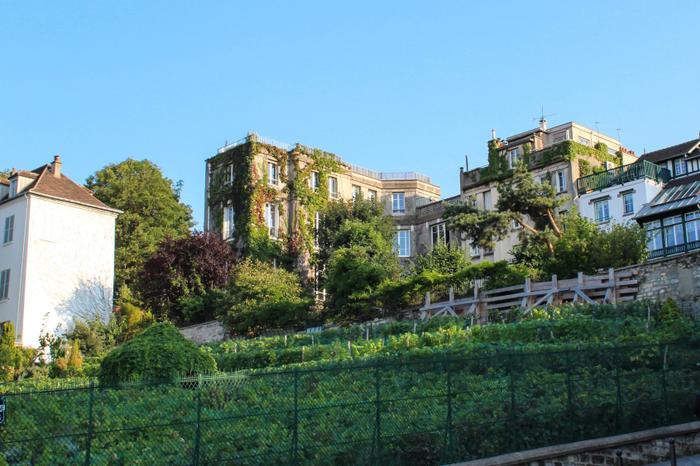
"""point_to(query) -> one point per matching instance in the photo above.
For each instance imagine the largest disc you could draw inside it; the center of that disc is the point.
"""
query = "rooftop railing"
(623, 174)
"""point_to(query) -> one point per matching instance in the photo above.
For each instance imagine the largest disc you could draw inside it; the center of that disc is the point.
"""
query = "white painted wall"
(69, 267)
(644, 192)
(11, 255)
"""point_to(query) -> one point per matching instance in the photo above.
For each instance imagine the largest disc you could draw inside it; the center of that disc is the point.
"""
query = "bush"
(158, 353)
(13, 359)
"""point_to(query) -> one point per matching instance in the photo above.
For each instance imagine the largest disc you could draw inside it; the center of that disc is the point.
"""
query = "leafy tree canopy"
(152, 212)
(183, 268)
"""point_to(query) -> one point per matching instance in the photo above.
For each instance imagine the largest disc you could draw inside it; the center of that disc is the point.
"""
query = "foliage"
(152, 212)
(14, 360)
(583, 247)
(185, 268)
(158, 353)
(74, 362)
(363, 258)
(261, 297)
(442, 259)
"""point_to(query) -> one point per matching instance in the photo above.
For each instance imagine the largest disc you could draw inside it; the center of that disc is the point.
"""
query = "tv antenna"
(542, 118)
(619, 130)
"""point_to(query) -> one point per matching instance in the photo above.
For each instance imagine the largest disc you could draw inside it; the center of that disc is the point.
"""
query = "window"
(398, 203)
(561, 182)
(333, 187)
(487, 200)
(654, 241)
(228, 178)
(372, 195)
(628, 203)
(678, 167)
(692, 226)
(4, 284)
(356, 192)
(13, 187)
(474, 250)
(317, 226)
(403, 243)
(228, 222)
(314, 181)
(513, 157)
(272, 173)
(602, 211)
(584, 141)
(9, 229)
(439, 234)
(692, 166)
(271, 219)
(673, 231)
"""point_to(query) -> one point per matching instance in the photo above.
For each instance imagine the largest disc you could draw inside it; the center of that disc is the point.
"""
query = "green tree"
(152, 212)
(531, 204)
(262, 297)
(4, 173)
(13, 359)
(443, 259)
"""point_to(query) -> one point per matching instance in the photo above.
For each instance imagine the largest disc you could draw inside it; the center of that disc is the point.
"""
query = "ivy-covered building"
(559, 155)
(265, 197)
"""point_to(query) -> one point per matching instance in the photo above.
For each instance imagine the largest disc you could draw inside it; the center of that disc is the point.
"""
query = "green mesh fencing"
(423, 410)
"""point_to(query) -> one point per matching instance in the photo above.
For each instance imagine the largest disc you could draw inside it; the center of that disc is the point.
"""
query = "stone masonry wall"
(675, 277)
(208, 332)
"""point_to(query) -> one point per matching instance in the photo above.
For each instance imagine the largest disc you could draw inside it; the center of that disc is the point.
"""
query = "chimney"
(543, 124)
(56, 166)
(493, 134)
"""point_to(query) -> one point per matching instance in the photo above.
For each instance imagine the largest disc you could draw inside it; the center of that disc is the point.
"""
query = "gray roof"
(673, 198)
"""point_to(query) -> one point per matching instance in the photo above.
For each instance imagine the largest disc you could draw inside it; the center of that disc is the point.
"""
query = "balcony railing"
(623, 174)
(671, 250)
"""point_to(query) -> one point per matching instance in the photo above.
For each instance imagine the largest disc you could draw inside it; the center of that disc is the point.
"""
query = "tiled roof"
(671, 152)
(63, 188)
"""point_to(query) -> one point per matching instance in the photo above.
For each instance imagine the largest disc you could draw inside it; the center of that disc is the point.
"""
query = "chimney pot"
(56, 166)
(493, 133)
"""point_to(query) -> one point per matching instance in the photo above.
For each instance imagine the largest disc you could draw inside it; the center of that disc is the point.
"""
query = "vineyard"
(445, 392)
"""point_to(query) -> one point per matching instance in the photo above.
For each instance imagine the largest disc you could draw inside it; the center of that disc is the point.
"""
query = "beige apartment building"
(559, 155)
(273, 170)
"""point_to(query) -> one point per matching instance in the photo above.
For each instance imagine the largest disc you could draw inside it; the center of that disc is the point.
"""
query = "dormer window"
(679, 167)
(13, 187)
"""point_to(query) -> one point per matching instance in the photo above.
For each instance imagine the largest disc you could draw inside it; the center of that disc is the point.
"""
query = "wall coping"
(585, 446)
(659, 260)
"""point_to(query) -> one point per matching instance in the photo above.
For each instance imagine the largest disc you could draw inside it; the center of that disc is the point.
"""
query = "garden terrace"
(624, 174)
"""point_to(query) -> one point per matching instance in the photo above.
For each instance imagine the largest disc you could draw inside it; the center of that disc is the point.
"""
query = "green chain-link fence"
(426, 410)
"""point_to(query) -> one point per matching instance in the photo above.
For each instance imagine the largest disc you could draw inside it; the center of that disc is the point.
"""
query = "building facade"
(257, 186)
(56, 253)
(672, 218)
(559, 155)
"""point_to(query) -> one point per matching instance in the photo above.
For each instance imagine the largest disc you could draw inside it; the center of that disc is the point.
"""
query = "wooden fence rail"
(612, 287)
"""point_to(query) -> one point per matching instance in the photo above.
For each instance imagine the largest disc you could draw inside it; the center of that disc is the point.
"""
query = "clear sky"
(393, 86)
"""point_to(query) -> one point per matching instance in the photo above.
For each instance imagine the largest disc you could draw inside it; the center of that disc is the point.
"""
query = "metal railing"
(623, 174)
(677, 249)
(428, 409)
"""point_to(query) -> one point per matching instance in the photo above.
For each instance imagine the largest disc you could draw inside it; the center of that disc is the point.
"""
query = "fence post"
(198, 431)
(448, 428)
(295, 431)
(91, 401)
(378, 415)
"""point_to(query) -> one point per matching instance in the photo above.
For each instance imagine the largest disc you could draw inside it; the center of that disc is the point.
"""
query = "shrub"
(13, 359)
(158, 353)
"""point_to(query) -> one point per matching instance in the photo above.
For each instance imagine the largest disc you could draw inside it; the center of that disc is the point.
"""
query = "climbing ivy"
(566, 150)
(249, 191)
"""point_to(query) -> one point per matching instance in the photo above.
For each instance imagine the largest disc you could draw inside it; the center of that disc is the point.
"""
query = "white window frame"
(356, 191)
(398, 202)
(314, 181)
(438, 230)
(5, 285)
(679, 167)
(513, 157)
(272, 173)
(692, 226)
(561, 181)
(317, 226)
(9, 231)
(229, 222)
(602, 202)
(229, 174)
(372, 194)
(403, 238)
(474, 250)
(625, 197)
(271, 220)
(13, 187)
(333, 187)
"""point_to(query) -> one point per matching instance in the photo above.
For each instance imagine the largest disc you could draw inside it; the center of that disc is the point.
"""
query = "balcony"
(623, 174)
(678, 249)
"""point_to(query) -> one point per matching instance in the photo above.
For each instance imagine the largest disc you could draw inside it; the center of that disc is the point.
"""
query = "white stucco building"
(618, 194)
(56, 253)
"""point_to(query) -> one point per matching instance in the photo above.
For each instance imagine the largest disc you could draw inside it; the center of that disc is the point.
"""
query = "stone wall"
(207, 332)
(676, 277)
(636, 448)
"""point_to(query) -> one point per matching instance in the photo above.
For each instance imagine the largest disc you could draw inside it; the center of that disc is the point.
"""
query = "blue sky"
(392, 86)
